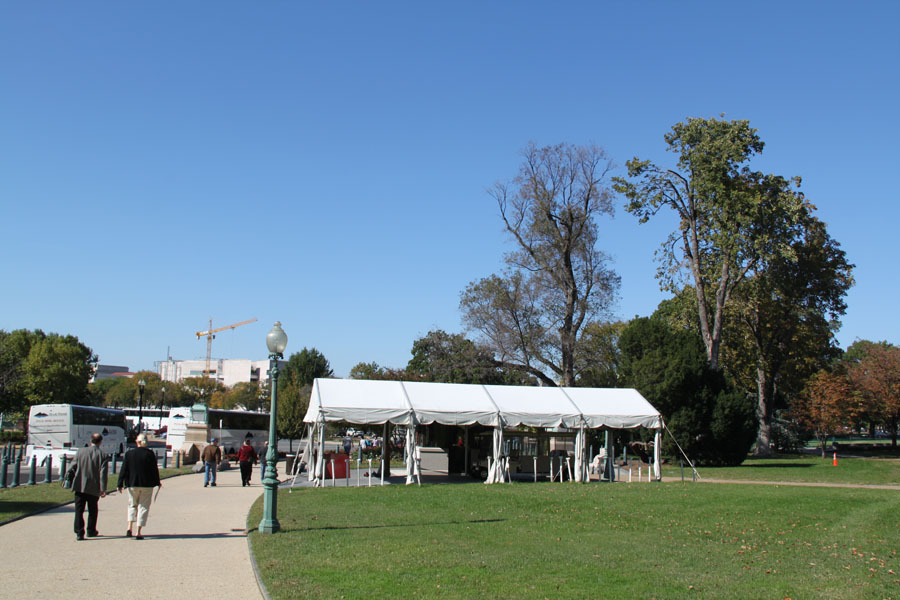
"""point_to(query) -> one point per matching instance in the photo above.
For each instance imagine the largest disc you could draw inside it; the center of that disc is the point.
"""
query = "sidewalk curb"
(259, 581)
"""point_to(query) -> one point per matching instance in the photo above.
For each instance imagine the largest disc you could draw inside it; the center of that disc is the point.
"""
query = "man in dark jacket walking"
(140, 474)
(89, 485)
(211, 456)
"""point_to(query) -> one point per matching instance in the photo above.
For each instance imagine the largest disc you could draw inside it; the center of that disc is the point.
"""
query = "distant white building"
(225, 371)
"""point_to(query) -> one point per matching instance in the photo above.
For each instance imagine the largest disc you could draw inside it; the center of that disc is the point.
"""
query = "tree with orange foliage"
(877, 376)
(827, 405)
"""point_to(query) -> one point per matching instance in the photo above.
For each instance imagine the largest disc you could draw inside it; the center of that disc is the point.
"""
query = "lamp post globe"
(276, 342)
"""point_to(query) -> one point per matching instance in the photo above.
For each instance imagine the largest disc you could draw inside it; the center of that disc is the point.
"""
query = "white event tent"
(410, 404)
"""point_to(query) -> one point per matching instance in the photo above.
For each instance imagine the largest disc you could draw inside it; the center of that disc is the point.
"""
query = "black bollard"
(178, 460)
(105, 475)
(49, 461)
(115, 462)
(165, 459)
(15, 481)
(63, 461)
(32, 470)
(3, 465)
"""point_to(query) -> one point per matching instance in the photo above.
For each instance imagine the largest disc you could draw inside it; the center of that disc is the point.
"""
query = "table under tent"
(497, 407)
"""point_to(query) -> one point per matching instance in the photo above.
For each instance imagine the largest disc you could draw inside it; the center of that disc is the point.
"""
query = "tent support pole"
(320, 475)
(385, 452)
(657, 452)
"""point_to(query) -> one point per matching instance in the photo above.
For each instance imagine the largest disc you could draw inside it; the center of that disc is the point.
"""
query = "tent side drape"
(657, 454)
(497, 470)
(413, 474)
(579, 456)
(320, 460)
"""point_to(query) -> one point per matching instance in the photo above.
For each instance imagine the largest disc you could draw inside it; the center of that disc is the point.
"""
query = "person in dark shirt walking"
(246, 457)
(88, 477)
(140, 474)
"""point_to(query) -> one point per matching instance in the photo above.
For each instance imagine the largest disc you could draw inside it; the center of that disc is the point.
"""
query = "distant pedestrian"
(246, 457)
(211, 456)
(140, 474)
(89, 484)
(348, 444)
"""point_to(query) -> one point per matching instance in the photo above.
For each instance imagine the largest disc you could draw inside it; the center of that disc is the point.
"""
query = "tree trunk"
(763, 414)
(568, 363)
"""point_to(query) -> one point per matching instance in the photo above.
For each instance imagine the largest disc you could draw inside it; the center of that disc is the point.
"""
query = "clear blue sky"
(326, 164)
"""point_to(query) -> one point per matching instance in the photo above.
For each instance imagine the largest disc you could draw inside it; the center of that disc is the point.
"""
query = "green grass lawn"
(668, 540)
(29, 499)
(803, 468)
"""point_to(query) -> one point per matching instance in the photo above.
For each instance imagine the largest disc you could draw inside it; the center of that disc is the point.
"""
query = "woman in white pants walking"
(140, 474)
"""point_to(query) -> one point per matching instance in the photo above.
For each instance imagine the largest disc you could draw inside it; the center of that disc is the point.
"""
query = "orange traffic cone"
(835, 459)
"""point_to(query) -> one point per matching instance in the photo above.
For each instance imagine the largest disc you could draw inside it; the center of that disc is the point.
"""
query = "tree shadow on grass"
(778, 466)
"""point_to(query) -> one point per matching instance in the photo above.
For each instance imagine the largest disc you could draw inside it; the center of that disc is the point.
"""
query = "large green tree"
(556, 278)
(294, 387)
(37, 368)
(374, 371)
(599, 358)
(200, 389)
(789, 304)
(124, 392)
(248, 395)
(99, 389)
(452, 358)
(723, 227)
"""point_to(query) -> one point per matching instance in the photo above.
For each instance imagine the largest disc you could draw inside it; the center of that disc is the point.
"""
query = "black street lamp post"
(276, 341)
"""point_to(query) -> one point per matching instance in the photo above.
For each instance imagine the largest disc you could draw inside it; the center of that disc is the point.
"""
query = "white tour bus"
(58, 429)
(229, 427)
(151, 419)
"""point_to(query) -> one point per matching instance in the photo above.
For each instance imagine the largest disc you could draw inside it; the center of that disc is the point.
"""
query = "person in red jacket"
(246, 457)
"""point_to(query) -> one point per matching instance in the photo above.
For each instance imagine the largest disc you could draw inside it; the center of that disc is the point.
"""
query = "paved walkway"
(195, 546)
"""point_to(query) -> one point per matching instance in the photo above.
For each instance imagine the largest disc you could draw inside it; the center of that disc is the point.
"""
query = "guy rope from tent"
(696, 474)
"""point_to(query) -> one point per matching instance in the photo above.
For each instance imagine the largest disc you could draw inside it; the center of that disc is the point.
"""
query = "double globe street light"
(276, 341)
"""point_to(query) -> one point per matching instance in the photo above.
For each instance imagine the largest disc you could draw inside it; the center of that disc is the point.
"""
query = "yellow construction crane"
(210, 337)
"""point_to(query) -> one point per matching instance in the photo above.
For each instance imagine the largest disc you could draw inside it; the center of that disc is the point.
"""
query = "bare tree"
(556, 279)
